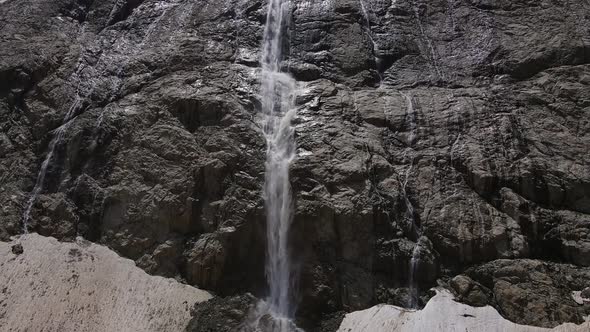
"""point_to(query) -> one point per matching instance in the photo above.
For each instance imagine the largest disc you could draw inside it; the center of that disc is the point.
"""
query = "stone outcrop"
(81, 286)
(533, 292)
(222, 314)
(461, 125)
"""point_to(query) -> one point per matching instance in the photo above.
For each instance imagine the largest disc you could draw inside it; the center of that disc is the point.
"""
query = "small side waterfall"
(415, 229)
(118, 80)
(58, 136)
(369, 32)
(278, 91)
(434, 58)
(60, 132)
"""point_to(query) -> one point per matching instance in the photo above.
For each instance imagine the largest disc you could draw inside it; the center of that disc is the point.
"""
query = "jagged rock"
(205, 262)
(465, 119)
(222, 314)
(534, 292)
(469, 291)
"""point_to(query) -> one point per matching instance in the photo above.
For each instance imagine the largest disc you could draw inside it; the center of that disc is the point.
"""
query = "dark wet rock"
(466, 120)
(17, 249)
(222, 314)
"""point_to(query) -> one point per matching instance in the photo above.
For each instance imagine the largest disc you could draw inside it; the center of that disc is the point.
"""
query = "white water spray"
(278, 92)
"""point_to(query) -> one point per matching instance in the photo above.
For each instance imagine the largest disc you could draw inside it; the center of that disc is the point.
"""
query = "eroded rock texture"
(459, 124)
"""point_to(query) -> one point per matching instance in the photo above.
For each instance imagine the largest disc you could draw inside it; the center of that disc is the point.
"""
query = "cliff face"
(461, 125)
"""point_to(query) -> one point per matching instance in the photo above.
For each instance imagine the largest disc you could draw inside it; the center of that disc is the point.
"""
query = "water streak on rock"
(415, 230)
(57, 138)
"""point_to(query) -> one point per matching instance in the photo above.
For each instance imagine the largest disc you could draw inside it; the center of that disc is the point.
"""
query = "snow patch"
(441, 313)
(85, 287)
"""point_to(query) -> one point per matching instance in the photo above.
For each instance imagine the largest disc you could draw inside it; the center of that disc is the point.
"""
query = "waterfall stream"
(415, 230)
(278, 91)
(58, 136)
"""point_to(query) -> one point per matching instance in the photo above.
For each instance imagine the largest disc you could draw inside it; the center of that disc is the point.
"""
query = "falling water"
(368, 27)
(278, 93)
(374, 45)
(428, 41)
(117, 82)
(58, 136)
(414, 264)
(365, 14)
(415, 230)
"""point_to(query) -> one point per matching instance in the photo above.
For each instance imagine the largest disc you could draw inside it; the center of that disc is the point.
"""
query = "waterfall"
(117, 82)
(60, 132)
(415, 230)
(278, 92)
(58, 136)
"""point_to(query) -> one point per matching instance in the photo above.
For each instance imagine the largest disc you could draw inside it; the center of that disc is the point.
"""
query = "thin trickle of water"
(411, 119)
(374, 45)
(117, 83)
(278, 91)
(428, 42)
(414, 261)
(481, 219)
(409, 206)
(452, 153)
(59, 133)
(365, 14)
(417, 233)
(415, 230)
(58, 136)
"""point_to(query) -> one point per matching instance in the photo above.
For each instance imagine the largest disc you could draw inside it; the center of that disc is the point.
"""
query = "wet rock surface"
(465, 120)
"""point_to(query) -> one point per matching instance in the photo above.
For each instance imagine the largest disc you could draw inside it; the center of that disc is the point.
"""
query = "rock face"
(462, 123)
(53, 286)
(222, 314)
(533, 292)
